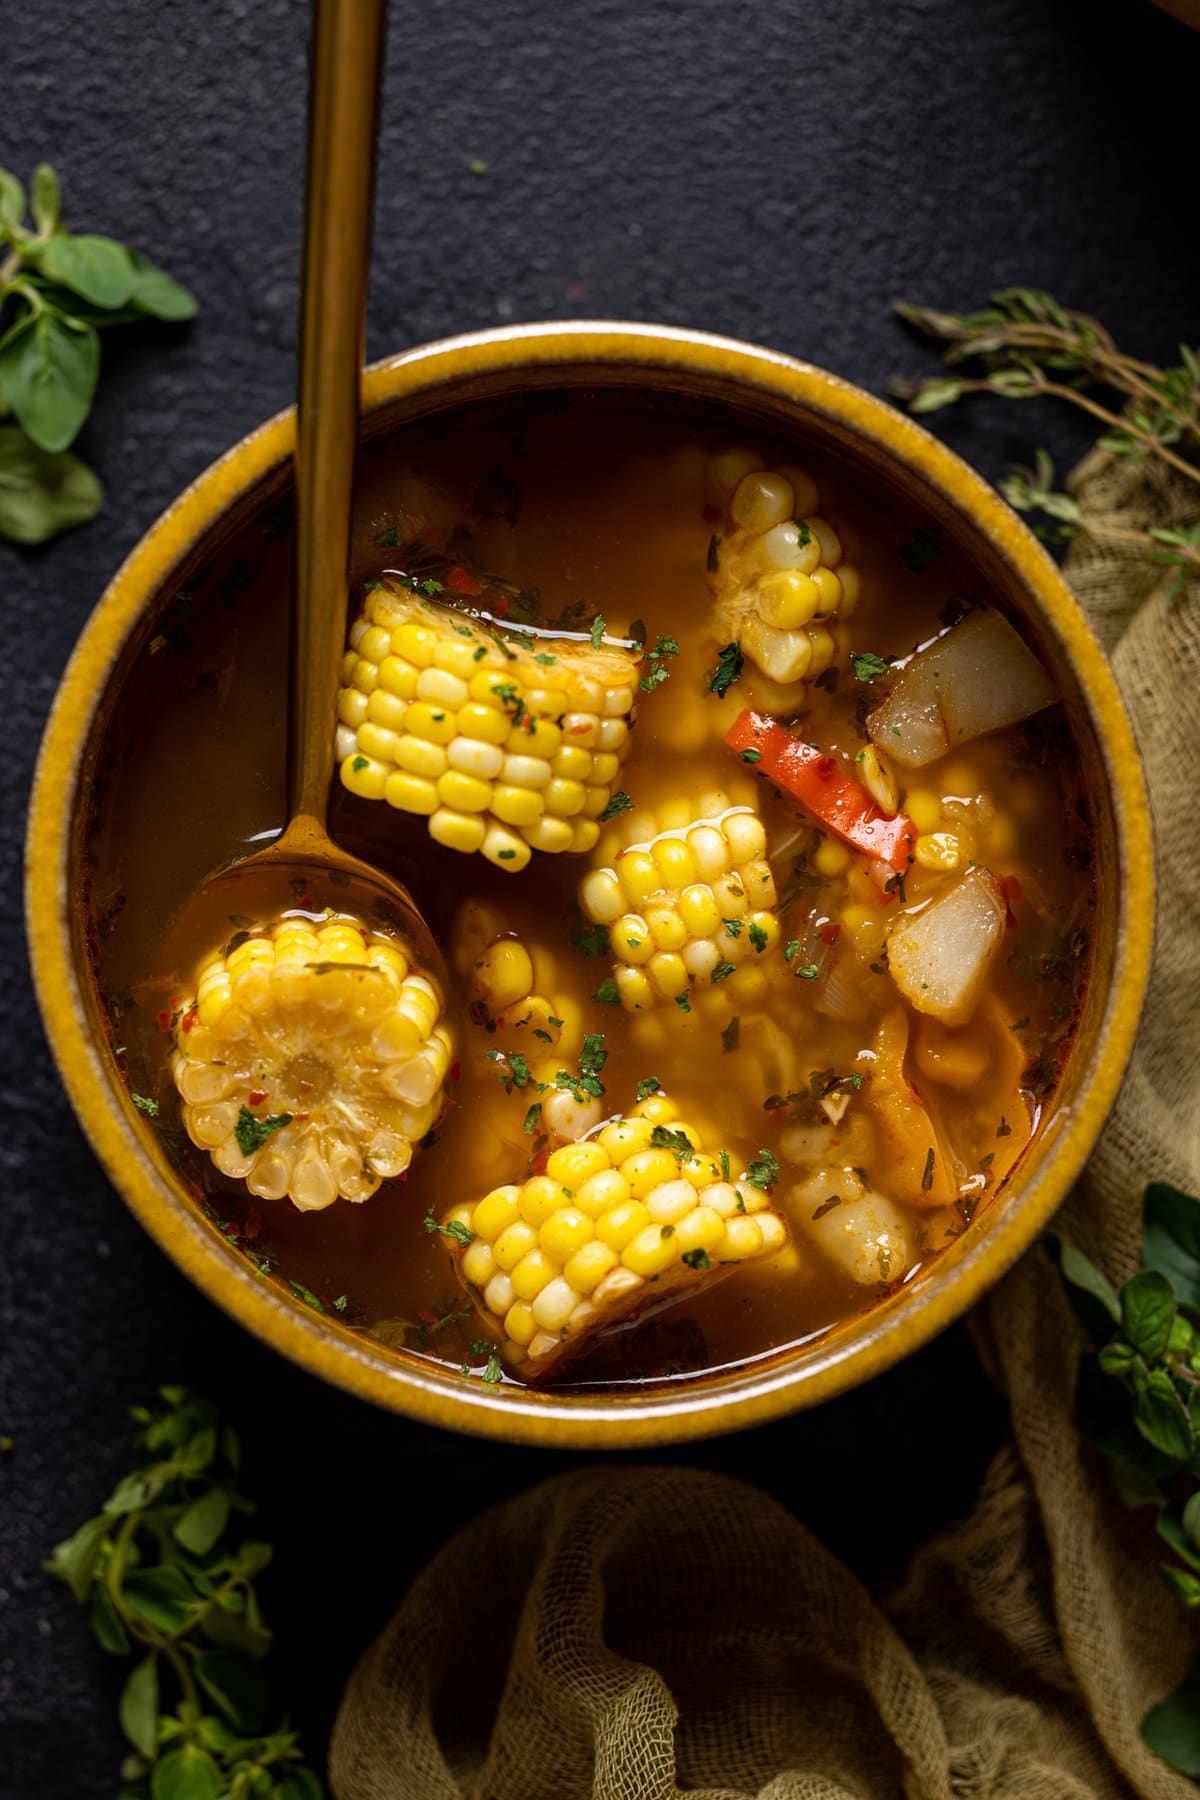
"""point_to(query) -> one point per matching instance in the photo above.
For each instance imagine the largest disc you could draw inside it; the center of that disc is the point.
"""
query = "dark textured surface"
(775, 172)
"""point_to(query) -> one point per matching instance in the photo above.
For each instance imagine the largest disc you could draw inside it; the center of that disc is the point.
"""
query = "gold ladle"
(304, 868)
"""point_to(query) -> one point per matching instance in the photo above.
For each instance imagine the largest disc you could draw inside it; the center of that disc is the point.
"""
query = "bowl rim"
(610, 1420)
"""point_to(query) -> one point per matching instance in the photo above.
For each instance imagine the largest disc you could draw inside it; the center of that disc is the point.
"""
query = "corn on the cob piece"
(504, 743)
(781, 587)
(312, 1060)
(620, 1221)
(691, 904)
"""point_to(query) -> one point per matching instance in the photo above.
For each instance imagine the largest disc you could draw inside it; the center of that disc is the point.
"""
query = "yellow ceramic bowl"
(886, 448)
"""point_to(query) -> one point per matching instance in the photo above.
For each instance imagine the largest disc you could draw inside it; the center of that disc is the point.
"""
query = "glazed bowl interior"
(241, 503)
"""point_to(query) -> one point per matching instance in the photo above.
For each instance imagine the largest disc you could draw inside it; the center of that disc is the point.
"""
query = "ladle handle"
(347, 56)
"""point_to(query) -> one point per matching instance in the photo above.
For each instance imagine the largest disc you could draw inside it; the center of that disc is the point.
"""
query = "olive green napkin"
(639, 1634)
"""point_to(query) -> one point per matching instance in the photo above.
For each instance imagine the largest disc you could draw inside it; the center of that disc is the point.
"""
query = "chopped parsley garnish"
(807, 972)
(592, 1059)
(591, 939)
(763, 1172)
(985, 1162)
(730, 662)
(545, 659)
(696, 1259)
(252, 1133)
(758, 937)
(927, 1173)
(923, 549)
(149, 1107)
(507, 855)
(619, 803)
(649, 1084)
(751, 756)
(867, 666)
(360, 762)
(722, 971)
(657, 660)
(661, 1138)
(803, 534)
(723, 1159)
(733, 927)
(731, 1037)
(792, 949)
(895, 885)
(1003, 1129)
(480, 653)
(513, 1069)
(493, 1372)
(599, 627)
(683, 1002)
(389, 538)
(506, 692)
(607, 993)
(532, 1117)
(455, 1230)
(827, 1205)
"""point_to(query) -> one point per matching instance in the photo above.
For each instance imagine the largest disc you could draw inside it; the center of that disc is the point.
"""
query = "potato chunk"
(939, 958)
(979, 677)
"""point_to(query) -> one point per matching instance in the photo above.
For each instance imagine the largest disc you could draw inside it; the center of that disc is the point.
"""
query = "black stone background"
(777, 172)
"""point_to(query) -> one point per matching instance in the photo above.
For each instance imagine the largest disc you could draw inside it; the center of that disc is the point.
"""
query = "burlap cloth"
(635, 1634)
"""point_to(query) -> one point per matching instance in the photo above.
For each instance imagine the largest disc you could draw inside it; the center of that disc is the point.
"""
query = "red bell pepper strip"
(819, 784)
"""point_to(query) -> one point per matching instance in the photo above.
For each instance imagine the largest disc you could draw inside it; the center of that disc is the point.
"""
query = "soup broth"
(877, 1128)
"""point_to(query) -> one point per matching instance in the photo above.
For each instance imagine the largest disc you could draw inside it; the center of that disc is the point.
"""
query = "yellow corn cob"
(312, 1060)
(691, 904)
(779, 580)
(505, 744)
(618, 1222)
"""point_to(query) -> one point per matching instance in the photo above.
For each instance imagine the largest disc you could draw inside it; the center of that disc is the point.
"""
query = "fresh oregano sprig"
(167, 1573)
(1025, 346)
(1139, 1404)
(58, 290)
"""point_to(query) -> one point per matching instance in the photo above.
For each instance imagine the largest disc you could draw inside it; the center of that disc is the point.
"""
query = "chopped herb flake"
(730, 662)
(252, 1133)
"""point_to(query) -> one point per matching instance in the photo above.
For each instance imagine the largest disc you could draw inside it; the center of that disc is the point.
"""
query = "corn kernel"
(650, 1252)
(519, 1323)
(937, 851)
(531, 1274)
(514, 1242)
(353, 707)
(668, 1203)
(457, 830)
(828, 541)
(788, 599)
(702, 1229)
(415, 643)
(622, 1223)
(600, 896)
(831, 858)
(441, 689)
(519, 806)
(555, 1304)
(624, 1136)
(365, 777)
(457, 656)
(646, 1170)
(638, 875)
(851, 582)
(725, 470)
(496, 1211)
(498, 1295)
(563, 798)
(483, 722)
(565, 1232)
(924, 808)
(760, 500)
(504, 848)
(478, 1263)
(666, 927)
(743, 1238)
(668, 974)
(553, 835)
(633, 989)
(585, 834)
(410, 793)
(430, 722)
(466, 793)
(630, 939)
(573, 1164)
(601, 1192)
(474, 758)
(589, 1265)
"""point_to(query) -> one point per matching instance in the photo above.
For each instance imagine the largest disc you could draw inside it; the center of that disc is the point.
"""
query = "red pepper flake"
(189, 1018)
(461, 581)
(426, 1315)
(580, 730)
(256, 1096)
(1013, 893)
(164, 1020)
(305, 900)
(301, 1118)
(456, 1071)
(830, 933)
(500, 607)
